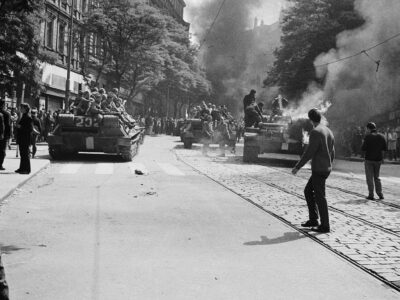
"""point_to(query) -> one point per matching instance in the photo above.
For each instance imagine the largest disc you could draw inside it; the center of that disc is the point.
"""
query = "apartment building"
(55, 33)
(174, 8)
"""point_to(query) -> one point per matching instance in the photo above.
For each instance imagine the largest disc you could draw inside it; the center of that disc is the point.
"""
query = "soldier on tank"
(252, 118)
(249, 99)
(84, 104)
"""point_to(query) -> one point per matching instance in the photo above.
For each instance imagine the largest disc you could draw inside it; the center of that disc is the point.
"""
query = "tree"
(20, 45)
(144, 51)
(184, 79)
(130, 34)
(309, 29)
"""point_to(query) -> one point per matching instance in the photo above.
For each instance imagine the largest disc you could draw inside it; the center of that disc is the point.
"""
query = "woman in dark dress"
(24, 132)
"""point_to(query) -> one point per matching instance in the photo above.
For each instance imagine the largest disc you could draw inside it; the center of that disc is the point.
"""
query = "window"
(49, 33)
(99, 47)
(61, 38)
(84, 6)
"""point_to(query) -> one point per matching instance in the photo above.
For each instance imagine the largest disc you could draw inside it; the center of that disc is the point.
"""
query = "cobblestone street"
(365, 232)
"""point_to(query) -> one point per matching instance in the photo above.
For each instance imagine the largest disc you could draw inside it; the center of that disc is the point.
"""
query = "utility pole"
(67, 84)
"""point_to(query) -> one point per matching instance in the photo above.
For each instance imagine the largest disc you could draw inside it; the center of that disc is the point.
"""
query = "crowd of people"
(218, 125)
(349, 141)
(161, 125)
(98, 102)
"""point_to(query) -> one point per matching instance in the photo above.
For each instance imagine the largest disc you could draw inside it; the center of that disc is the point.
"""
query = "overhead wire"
(360, 53)
(377, 62)
(212, 24)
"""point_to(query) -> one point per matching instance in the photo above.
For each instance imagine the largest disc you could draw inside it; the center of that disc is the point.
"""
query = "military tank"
(101, 133)
(273, 135)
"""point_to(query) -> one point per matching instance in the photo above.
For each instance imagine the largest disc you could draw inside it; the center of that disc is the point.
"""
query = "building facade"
(54, 31)
(174, 8)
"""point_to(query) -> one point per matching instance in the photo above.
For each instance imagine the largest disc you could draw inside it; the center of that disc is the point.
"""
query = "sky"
(268, 11)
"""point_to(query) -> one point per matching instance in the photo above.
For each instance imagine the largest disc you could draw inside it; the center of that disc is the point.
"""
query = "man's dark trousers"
(3, 284)
(372, 171)
(316, 198)
(25, 164)
(34, 148)
(3, 147)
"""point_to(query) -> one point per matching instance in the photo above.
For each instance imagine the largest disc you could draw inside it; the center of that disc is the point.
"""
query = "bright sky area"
(268, 10)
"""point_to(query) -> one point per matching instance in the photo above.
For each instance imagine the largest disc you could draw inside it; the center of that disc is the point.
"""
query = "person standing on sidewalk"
(321, 150)
(24, 132)
(6, 134)
(3, 283)
(374, 147)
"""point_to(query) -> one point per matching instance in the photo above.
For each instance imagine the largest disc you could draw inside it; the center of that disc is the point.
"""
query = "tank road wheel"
(250, 154)
(130, 153)
(187, 143)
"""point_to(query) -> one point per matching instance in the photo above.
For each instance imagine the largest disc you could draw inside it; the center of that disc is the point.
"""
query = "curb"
(357, 159)
(21, 183)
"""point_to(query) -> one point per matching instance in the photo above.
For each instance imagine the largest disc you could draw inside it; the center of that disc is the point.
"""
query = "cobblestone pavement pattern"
(367, 232)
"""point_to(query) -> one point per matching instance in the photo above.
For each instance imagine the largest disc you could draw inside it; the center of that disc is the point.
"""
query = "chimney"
(255, 22)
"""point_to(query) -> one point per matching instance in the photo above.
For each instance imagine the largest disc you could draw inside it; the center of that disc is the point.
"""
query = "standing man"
(321, 151)
(1, 129)
(374, 146)
(6, 133)
(248, 99)
(24, 132)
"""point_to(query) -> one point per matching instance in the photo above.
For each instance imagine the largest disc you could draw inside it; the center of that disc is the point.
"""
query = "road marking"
(70, 169)
(138, 166)
(104, 169)
(171, 169)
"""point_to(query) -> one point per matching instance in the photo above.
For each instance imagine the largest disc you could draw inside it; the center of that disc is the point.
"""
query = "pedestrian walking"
(3, 283)
(374, 146)
(5, 137)
(24, 132)
(321, 151)
(37, 130)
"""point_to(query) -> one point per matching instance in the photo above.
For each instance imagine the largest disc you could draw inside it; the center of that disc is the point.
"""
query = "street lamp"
(67, 84)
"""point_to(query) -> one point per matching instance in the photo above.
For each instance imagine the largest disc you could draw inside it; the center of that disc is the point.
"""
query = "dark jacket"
(247, 100)
(25, 130)
(7, 124)
(374, 144)
(37, 123)
(321, 150)
(1, 126)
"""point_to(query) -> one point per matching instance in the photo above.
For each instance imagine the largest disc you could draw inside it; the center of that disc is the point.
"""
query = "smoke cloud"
(360, 89)
(230, 49)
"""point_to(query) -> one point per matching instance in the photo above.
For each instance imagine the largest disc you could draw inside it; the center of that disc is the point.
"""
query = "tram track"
(314, 237)
(397, 206)
(282, 189)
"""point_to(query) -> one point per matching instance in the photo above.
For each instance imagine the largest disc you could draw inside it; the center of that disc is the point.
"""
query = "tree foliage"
(20, 45)
(309, 29)
(142, 49)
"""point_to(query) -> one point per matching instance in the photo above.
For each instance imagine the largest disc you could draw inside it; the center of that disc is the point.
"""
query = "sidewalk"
(10, 180)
